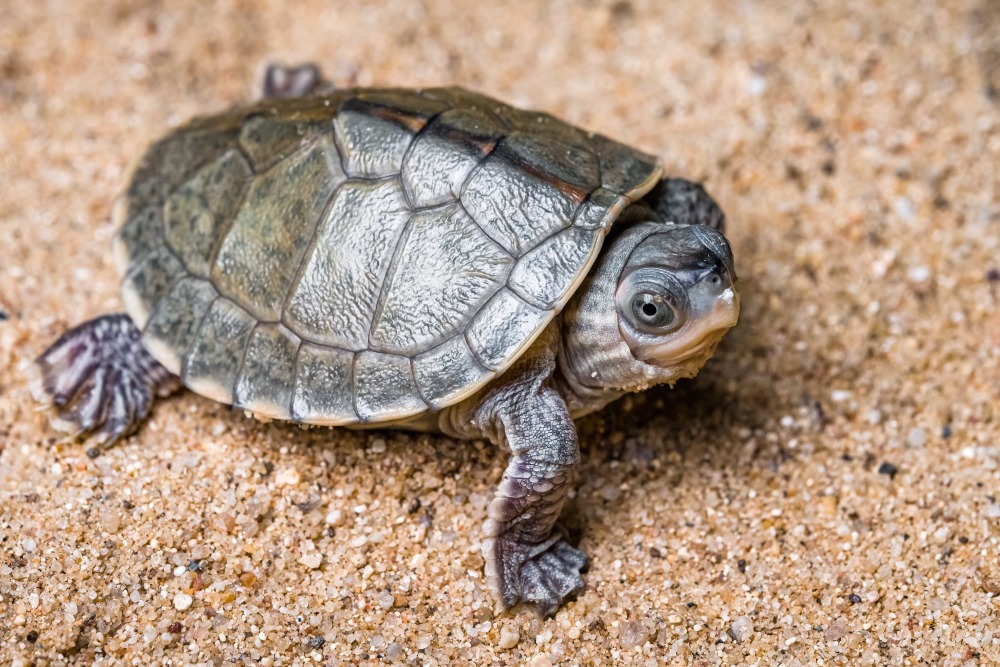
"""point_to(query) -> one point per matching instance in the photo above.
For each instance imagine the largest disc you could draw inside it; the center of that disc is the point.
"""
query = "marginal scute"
(599, 210)
(174, 323)
(515, 208)
(197, 213)
(272, 230)
(268, 139)
(171, 160)
(625, 169)
(148, 281)
(336, 292)
(570, 167)
(445, 153)
(544, 276)
(446, 269)
(446, 373)
(324, 392)
(212, 365)
(140, 234)
(267, 376)
(385, 388)
(503, 328)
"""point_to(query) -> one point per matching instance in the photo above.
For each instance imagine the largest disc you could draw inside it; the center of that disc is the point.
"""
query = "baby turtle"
(425, 259)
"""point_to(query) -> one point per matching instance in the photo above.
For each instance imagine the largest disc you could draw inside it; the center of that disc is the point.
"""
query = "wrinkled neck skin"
(595, 364)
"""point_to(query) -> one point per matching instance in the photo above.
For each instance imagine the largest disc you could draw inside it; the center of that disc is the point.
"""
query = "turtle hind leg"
(284, 82)
(101, 379)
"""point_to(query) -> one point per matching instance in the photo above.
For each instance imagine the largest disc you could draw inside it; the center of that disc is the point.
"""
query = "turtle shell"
(367, 255)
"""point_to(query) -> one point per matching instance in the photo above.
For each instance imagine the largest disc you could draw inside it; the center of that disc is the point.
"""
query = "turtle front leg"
(101, 379)
(525, 559)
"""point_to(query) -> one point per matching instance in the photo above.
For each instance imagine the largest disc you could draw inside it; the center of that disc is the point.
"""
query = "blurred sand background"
(826, 492)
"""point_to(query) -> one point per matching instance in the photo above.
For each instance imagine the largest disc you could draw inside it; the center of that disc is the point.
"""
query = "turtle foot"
(284, 82)
(545, 574)
(101, 379)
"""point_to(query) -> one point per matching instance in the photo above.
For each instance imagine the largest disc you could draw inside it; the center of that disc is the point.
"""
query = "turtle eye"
(652, 301)
(652, 310)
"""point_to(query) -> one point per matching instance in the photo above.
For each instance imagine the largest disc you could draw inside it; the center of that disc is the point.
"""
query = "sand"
(826, 492)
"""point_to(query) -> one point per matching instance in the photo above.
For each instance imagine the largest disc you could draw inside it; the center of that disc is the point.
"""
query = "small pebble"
(888, 469)
(317, 642)
(311, 560)
(854, 598)
(288, 477)
(946, 431)
(916, 437)
(540, 661)
(741, 629)
(632, 634)
(509, 637)
(378, 446)
(182, 601)
(993, 275)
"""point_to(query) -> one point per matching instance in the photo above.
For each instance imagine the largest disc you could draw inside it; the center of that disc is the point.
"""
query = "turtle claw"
(101, 379)
(545, 575)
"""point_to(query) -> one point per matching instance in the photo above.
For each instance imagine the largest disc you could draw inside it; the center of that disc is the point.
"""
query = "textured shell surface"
(367, 255)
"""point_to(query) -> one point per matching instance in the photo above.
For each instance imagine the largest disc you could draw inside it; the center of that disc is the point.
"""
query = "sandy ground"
(826, 492)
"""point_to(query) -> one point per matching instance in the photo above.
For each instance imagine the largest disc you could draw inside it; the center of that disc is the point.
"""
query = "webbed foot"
(101, 379)
(545, 574)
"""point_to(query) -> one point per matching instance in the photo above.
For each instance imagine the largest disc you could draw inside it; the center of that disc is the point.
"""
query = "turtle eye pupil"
(649, 310)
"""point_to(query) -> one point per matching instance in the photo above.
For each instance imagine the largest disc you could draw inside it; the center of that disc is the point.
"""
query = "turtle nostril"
(715, 279)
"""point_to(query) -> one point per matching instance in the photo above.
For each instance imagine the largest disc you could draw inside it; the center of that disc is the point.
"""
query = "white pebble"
(378, 446)
(840, 395)
(182, 601)
(311, 560)
(741, 629)
(509, 637)
(288, 477)
(916, 437)
(334, 517)
(919, 274)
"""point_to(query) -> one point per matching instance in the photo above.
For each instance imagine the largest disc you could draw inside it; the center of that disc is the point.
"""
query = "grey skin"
(429, 260)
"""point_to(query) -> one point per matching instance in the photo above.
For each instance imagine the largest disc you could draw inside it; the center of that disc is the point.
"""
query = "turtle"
(427, 259)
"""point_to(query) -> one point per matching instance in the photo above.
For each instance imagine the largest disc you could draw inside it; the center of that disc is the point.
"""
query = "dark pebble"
(946, 431)
(4, 315)
(32, 637)
(175, 628)
(330, 531)
(93, 453)
(888, 469)
(316, 641)
(963, 540)
(655, 553)
(692, 605)
(854, 598)
(993, 275)
(742, 564)
(195, 565)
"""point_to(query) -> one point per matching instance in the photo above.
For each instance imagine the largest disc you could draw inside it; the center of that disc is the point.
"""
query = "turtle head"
(652, 311)
(676, 295)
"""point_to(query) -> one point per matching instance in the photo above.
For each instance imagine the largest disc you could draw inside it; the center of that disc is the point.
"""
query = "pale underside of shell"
(364, 256)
